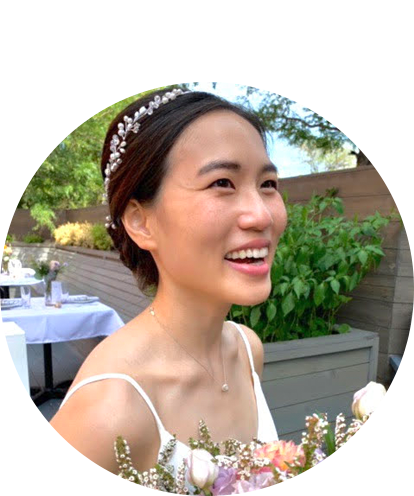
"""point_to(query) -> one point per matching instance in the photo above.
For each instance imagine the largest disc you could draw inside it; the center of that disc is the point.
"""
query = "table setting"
(17, 276)
(78, 317)
(56, 317)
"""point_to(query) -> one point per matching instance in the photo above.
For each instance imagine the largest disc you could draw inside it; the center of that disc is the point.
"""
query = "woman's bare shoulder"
(256, 346)
(97, 413)
(101, 410)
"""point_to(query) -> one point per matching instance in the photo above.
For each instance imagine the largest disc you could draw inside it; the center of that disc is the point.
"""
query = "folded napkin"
(28, 272)
(10, 302)
(81, 299)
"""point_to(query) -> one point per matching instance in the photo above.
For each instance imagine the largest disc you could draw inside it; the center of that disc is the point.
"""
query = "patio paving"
(67, 359)
(49, 408)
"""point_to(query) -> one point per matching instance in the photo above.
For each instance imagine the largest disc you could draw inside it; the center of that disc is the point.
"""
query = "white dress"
(266, 430)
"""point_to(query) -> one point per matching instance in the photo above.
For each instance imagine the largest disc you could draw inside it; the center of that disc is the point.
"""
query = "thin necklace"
(225, 386)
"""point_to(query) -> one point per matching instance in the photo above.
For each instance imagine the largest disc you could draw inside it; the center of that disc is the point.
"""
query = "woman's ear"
(136, 223)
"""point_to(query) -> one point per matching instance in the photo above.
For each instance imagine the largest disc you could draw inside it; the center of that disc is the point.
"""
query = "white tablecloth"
(16, 341)
(72, 321)
(18, 281)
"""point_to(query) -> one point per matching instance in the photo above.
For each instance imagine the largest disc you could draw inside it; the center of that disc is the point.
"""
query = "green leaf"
(304, 214)
(323, 205)
(288, 304)
(282, 288)
(338, 205)
(347, 280)
(363, 257)
(276, 273)
(343, 328)
(376, 250)
(329, 438)
(335, 286)
(255, 316)
(319, 294)
(353, 282)
(299, 287)
(271, 310)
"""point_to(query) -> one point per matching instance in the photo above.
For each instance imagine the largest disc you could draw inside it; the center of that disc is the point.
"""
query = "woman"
(196, 215)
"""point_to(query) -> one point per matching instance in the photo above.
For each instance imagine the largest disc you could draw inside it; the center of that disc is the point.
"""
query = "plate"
(81, 299)
(10, 303)
(28, 272)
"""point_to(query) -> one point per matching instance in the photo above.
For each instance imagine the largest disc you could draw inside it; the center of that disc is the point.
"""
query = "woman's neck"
(196, 325)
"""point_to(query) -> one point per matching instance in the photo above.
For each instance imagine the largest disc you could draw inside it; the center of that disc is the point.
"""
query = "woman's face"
(219, 195)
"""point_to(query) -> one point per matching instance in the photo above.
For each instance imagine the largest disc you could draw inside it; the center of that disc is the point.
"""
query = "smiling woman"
(196, 215)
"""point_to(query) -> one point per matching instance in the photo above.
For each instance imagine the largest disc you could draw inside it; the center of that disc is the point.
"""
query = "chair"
(15, 267)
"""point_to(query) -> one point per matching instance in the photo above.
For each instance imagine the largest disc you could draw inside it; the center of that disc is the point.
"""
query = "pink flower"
(256, 481)
(224, 484)
(54, 265)
(280, 453)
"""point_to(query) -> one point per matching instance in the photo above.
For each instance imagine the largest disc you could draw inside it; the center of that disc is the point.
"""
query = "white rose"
(202, 472)
(367, 399)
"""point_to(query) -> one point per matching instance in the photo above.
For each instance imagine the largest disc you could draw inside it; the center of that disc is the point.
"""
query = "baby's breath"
(237, 455)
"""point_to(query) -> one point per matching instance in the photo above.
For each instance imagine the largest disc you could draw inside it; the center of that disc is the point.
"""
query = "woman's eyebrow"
(234, 166)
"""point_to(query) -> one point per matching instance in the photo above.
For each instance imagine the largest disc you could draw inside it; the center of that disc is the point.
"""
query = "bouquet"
(7, 253)
(248, 467)
(48, 271)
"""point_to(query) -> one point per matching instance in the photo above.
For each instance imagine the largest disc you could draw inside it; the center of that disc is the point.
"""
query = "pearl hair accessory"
(118, 142)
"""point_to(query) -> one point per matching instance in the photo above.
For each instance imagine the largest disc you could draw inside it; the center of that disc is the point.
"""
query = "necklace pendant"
(225, 388)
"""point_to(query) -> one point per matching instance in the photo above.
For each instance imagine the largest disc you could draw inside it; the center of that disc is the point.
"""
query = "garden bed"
(320, 374)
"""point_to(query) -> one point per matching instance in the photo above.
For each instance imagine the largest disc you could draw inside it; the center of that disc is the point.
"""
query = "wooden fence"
(382, 303)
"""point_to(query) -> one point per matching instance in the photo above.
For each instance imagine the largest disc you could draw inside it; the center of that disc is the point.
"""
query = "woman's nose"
(255, 214)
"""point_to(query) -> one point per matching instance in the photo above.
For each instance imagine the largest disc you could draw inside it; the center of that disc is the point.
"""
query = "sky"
(288, 159)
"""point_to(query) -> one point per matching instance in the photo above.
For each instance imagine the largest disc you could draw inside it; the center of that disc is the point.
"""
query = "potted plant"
(48, 271)
(312, 362)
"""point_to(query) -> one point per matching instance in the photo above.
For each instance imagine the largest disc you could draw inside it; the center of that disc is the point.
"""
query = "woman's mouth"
(251, 261)
(250, 256)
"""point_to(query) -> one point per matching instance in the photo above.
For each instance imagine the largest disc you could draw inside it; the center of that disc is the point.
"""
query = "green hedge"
(320, 259)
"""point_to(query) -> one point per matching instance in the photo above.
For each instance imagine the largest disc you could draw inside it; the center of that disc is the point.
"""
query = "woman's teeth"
(242, 254)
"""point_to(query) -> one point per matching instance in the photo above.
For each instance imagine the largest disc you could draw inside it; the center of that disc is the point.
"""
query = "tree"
(70, 177)
(328, 161)
(298, 126)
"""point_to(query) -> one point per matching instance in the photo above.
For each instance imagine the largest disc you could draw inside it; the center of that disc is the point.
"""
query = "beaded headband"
(118, 142)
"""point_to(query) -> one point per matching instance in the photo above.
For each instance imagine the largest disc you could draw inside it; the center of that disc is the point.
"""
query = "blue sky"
(288, 159)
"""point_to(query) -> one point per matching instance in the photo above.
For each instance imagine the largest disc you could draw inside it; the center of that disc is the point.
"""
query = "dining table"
(25, 277)
(81, 317)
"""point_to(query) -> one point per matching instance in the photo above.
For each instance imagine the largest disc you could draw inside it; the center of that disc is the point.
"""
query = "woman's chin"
(255, 296)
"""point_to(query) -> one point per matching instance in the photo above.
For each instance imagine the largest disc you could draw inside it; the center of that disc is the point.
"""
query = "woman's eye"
(270, 184)
(222, 183)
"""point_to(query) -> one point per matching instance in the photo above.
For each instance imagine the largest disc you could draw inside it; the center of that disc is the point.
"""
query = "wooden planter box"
(313, 375)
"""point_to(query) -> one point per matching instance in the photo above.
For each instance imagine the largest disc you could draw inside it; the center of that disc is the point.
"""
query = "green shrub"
(74, 234)
(10, 238)
(101, 238)
(320, 259)
(33, 238)
(64, 234)
(83, 234)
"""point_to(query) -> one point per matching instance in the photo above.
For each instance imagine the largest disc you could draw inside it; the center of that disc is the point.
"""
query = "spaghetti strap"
(125, 377)
(246, 342)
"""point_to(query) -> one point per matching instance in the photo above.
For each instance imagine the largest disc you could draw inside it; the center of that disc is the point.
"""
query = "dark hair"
(144, 166)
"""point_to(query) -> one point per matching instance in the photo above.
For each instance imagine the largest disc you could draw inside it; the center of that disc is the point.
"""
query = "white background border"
(348, 61)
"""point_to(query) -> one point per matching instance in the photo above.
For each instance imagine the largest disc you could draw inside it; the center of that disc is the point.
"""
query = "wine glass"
(65, 291)
(26, 295)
